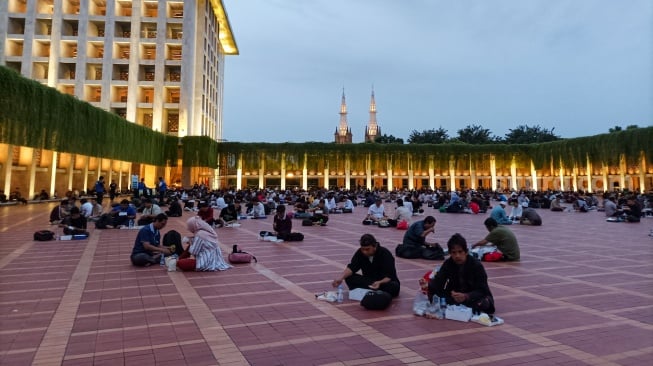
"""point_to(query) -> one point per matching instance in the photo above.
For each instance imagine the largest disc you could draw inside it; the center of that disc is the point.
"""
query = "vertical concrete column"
(561, 173)
(110, 174)
(574, 177)
(493, 172)
(305, 173)
(261, 172)
(7, 169)
(347, 171)
(283, 171)
(622, 171)
(368, 172)
(411, 179)
(71, 168)
(53, 173)
(534, 186)
(239, 172)
(85, 174)
(120, 176)
(472, 174)
(513, 174)
(452, 174)
(32, 176)
(588, 171)
(431, 173)
(326, 174)
(642, 173)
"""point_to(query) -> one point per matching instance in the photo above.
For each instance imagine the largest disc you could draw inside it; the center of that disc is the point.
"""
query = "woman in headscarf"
(203, 247)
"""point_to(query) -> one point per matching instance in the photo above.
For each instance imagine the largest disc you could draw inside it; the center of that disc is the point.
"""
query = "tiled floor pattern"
(582, 295)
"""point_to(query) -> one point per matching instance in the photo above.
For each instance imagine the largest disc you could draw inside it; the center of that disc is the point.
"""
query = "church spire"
(343, 132)
(372, 130)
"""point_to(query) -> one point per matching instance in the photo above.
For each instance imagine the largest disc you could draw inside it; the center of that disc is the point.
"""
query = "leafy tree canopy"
(431, 136)
(618, 128)
(525, 134)
(388, 139)
(476, 134)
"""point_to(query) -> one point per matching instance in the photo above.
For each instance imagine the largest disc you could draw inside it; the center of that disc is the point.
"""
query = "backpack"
(435, 253)
(408, 251)
(307, 222)
(44, 235)
(376, 300)
(173, 239)
(238, 256)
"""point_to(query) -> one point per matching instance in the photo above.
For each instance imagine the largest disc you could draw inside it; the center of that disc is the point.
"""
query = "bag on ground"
(44, 235)
(238, 256)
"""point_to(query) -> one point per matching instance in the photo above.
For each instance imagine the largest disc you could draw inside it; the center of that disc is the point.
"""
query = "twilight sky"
(579, 66)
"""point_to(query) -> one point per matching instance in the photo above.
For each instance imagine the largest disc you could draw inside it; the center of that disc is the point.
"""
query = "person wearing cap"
(377, 265)
(501, 237)
(498, 213)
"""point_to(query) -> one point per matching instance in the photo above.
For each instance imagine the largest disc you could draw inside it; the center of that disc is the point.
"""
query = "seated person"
(320, 213)
(501, 237)
(610, 207)
(3, 196)
(203, 247)
(258, 210)
(416, 234)
(147, 246)
(74, 224)
(348, 205)
(43, 195)
(376, 212)
(17, 196)
(556, 205)
(515, 210)
(530, 217)
(59, 212)
(150, 211)
(499, 214)
(122, 213)
(402, 213)
(331, 203)
(229, 215)
(282, 226)
(462, 279)
(174, 208)
(377, 265)
(632, 210)
(205, 212)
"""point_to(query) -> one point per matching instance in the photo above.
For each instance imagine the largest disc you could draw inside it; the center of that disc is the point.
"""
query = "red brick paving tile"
(18, 359)
(78, 362)
(139, 360)
(608, 340)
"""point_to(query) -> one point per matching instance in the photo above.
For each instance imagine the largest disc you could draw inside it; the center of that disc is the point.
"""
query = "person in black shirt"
(462, 279)
(377, 265)
(75, 223)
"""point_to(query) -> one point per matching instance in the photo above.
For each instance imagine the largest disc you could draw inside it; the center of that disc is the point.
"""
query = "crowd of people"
(461, 279)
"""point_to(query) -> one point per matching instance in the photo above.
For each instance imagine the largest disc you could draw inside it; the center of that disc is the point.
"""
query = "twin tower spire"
(343, 132)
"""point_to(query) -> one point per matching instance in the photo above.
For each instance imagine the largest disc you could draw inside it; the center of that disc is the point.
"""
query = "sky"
(578, 67)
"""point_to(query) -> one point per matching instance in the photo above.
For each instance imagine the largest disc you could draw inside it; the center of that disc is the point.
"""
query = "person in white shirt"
(376, 211)
(86, 209)
(220, 203)
(348, 205)
(331, 203)
(258, 210)
(402, 213)
(408, 204)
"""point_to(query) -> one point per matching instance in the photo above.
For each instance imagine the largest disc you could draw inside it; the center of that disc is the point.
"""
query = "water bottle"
(339, 298)
(131, 223)
(443, 305)
(163, 260)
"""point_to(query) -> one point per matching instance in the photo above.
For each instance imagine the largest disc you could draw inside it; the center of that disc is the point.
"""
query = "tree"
(524, 134)
(388, 139)
(476, 134)
(431, 136)
(618, 128)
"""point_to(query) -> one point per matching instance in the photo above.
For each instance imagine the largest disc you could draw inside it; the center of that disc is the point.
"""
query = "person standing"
(162, 188)
(112, 190)
(99, 190)
(377, 265)
(147, 246)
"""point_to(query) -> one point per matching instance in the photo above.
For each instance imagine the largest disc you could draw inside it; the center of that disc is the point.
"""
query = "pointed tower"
(343, 132)
(372, 131)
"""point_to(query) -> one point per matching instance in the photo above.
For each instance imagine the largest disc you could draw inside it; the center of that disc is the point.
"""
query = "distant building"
(372, 131)
(343, 132)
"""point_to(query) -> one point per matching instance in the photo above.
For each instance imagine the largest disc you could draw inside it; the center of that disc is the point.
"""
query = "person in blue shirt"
(498, 213)
(99, 190)
(163, 187)
(147, 246)
(123, 213)
(142, 189)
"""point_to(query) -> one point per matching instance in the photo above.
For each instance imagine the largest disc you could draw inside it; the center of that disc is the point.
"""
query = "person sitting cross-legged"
(462, 280)
(147, 246)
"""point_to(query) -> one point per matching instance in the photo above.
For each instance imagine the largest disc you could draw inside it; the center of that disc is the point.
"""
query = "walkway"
(582, 295)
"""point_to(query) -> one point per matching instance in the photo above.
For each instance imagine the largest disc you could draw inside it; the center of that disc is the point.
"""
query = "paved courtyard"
(582, 295)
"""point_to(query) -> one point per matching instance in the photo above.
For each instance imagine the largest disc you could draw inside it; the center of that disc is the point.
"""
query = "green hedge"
(38, 116)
